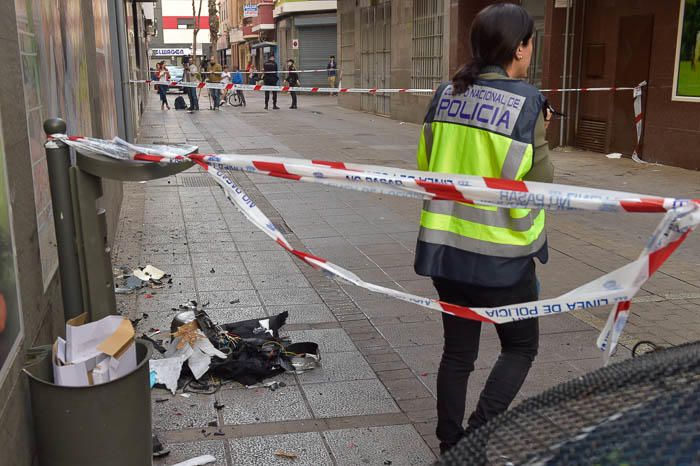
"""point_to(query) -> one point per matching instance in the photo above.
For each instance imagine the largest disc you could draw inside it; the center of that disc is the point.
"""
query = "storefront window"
(686, 83)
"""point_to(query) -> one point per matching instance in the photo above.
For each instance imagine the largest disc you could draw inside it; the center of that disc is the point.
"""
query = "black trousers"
(274, 98)
(294, 98)
(519, 342)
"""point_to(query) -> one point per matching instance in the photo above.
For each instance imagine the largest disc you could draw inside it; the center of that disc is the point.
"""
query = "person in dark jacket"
(271, 79)
(292, 80)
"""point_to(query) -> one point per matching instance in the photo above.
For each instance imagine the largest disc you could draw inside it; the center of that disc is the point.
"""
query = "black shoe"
(293, 107)
(266, 107)
(275, 107)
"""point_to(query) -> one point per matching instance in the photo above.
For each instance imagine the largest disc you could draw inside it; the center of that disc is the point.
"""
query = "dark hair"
(495, 35)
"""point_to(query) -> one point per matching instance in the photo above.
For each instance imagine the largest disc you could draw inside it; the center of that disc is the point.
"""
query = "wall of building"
(354, 40)
(59, 60)
(671, 134)
(307, 55)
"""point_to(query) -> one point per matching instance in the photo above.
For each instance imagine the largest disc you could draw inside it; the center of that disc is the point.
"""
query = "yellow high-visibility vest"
(487, 131)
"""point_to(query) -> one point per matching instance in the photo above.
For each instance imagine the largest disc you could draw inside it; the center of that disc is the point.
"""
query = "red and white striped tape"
(348, 90)
(617, 287)
(638, 119)
(281, 71)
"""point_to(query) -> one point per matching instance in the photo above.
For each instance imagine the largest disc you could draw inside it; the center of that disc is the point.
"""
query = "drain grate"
(197, 181)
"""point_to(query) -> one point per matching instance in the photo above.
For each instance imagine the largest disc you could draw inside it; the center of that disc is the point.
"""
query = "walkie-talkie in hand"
(547, 107)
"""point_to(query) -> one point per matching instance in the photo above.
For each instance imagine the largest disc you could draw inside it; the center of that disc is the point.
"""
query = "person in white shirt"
(163, 76)
(225, 79)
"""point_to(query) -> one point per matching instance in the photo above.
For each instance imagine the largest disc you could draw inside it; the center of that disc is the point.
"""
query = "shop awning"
(263, 44)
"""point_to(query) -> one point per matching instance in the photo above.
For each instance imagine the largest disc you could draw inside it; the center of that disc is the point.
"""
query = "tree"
(213, 27)
(196, 14)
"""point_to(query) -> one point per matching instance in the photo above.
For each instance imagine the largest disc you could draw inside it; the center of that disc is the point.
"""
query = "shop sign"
(250, 11)
(174, 52)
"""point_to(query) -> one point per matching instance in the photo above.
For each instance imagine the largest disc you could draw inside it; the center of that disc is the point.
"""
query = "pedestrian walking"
(292, 81)
(480, 256)
(238, 79)
(215, 77)
(271, 79)
(163, 76)
(332, 70)
(192, 75)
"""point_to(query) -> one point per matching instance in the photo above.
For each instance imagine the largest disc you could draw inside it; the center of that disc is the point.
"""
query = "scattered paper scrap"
(614, 155)
(148, 273)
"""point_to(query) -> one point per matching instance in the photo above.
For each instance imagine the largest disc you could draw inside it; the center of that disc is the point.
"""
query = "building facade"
(66, 58)
(174, 28)
(623, 43)
(577, 44)
(307, 33)
(302, 30)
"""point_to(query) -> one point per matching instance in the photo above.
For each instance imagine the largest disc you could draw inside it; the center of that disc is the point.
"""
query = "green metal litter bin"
(106, 425)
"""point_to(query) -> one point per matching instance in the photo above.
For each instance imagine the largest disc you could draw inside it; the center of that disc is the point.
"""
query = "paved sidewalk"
(373, 400)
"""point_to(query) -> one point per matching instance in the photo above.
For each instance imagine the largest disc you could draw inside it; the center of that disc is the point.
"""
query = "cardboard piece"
(94, 352)
(149, 272)
(82, 337)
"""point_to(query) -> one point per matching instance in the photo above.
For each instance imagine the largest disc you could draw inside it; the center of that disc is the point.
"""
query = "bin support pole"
(58, 160)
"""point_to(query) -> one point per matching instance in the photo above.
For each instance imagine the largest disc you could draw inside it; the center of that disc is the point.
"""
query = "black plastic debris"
(246, 352)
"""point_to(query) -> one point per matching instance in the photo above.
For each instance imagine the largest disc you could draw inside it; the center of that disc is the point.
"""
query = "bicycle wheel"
(233, 99)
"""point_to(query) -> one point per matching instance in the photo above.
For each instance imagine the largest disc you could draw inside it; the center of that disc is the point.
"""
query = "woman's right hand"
(547, 117)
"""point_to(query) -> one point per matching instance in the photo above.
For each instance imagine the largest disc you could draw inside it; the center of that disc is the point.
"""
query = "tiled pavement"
(373, 399)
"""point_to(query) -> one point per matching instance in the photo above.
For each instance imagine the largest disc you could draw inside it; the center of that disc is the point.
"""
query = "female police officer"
(486, 122)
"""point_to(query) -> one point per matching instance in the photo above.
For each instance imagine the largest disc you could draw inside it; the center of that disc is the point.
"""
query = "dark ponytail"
(466, 76)
(496, 33)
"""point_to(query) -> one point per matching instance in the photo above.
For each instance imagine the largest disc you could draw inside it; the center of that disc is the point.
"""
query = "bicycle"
(234, 99)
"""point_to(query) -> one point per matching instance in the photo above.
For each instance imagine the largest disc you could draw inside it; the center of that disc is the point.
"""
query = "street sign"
(250, 11)
(295, 43)
(174, 52)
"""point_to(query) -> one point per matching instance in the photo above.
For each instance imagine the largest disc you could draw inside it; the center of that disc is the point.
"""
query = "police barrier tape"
(616, 288)
(637, 94)
(261, 87)
(348, 90)
(281, 71)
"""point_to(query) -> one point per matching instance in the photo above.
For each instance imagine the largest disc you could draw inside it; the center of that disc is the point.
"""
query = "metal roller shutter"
(316, 44)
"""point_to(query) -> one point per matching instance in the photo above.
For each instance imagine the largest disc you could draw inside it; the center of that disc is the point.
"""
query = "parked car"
(176, 75)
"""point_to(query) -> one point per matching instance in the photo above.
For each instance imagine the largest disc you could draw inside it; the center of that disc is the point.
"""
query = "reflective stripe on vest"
(493, 216)
(474, 134)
